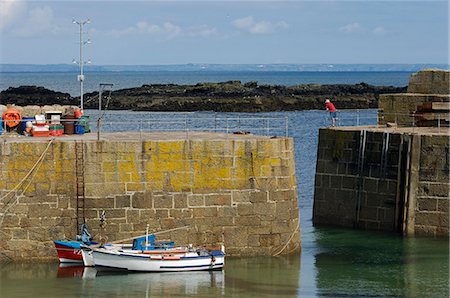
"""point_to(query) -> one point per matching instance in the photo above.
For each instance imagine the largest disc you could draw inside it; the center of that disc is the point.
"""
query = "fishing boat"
(70, 251)
(145, 243)
(171, 260)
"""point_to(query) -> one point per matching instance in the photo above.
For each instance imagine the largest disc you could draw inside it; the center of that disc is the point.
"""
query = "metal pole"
(81, 66)
(99, 111)
(81, 62)
(287, 126)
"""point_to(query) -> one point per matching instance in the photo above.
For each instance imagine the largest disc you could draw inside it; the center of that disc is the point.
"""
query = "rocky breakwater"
(231, 96)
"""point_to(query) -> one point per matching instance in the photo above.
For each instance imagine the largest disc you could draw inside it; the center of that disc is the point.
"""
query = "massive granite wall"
(238, 190)
(383, 179)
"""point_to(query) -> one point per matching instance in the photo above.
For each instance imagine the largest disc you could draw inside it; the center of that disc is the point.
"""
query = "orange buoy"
(78, 113)
(12, 117)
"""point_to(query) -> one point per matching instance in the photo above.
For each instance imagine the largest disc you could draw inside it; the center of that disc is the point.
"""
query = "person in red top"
(329, 106)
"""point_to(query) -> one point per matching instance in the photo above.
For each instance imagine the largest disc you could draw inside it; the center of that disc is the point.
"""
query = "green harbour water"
(333, 262)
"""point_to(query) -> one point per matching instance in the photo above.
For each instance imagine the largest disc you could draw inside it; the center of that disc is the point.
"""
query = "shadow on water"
(370, 264)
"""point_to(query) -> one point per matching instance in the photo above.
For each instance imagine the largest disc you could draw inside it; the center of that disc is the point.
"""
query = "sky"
(225, 32)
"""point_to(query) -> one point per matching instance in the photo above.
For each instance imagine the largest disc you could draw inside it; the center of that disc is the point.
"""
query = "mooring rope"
(289, 240)
(36, 166)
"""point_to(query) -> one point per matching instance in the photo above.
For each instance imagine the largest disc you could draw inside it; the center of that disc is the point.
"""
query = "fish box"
(40, 133)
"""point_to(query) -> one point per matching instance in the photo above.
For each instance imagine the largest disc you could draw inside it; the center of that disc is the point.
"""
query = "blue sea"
(67, 81)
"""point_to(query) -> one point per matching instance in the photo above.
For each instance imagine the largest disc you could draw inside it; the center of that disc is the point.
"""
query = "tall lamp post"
(81, 62)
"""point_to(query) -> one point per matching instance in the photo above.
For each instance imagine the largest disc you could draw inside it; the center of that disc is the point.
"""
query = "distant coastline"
(4, 68)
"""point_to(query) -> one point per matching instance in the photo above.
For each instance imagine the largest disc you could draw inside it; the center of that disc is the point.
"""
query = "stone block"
(425, 218)
(443, 205)
(263, 184)
(205, 212)
(132, 215)
(264, 208)
(370, 185)
(180, 213)
(234, 236)
(161, 213)
(349, 182)
(163, 201)
(244, 208)
(427, 204)
(225, 211)
(259, 196)
(20, 234)
(141, 200)
(218, 200)
(196, 200)
(280, 227)
(248, 220)
(122, 201)
(99, 203)
(269, 240)
(422, 230)
(180, 200)
(282, 210)
(369, 214)
(38, 234)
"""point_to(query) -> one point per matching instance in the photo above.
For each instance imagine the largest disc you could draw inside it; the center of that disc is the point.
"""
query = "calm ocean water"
(67, 82)
(333, 262)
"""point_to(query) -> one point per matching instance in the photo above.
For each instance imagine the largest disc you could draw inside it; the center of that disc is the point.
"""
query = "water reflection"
(249, 277)
(368, 264)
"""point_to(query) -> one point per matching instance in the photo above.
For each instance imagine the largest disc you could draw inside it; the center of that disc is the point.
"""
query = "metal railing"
(382, 119)
(267, 126)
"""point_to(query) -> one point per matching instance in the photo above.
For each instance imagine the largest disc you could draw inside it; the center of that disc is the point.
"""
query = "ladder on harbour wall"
(80, 189)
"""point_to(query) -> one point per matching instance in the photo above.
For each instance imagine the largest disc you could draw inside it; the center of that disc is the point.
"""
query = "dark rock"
(33, 95)
(231, 96)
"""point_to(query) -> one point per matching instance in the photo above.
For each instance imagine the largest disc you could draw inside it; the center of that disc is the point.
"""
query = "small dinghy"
(175, 259)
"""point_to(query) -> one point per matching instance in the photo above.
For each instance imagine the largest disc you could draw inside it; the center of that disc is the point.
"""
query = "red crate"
(45, 133)
(56, 132)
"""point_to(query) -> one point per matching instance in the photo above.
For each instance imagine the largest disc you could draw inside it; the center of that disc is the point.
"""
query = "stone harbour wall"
(425, 86)
(232, 191)
(383, 179)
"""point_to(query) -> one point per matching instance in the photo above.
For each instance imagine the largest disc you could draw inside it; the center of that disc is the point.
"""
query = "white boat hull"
(88, 258)
(148, 263)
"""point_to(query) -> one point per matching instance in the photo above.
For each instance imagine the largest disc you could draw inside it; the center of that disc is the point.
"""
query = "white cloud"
(166, 30)
(350, 28)
(202, 31)
(148, 28)
(244, 23)
(379, 30)
(39, 20)
(9, 11)
(249, 25)
(171, 30)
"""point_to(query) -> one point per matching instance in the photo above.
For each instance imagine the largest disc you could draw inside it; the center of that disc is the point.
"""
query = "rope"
(289, 240)
(36, 166)
(26, 176)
